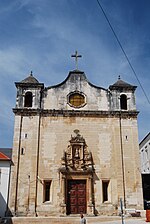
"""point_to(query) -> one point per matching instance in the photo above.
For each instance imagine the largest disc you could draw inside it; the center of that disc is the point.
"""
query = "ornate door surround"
(77, 167)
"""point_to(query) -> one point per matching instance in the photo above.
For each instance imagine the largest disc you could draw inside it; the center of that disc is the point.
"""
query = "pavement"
(119, 221)
(74, 220)
(126, 222)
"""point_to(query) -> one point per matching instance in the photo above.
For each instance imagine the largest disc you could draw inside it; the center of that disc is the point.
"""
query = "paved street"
(126, 221)
(72, 220)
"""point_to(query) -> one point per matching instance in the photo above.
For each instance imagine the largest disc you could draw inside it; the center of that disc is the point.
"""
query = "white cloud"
(12, 61)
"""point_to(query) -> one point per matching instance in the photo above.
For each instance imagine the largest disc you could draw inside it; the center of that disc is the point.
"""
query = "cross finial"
(76, 56)
(119, 77)
(31, 74)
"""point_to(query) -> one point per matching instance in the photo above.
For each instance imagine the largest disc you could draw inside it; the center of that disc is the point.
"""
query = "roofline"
(76, 72)
(144, 138)
(5, 148)
(6, 158)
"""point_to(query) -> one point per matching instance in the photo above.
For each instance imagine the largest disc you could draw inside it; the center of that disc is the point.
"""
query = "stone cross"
(76, 56)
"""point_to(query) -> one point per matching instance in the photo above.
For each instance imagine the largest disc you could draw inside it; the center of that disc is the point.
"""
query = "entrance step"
(57, 220)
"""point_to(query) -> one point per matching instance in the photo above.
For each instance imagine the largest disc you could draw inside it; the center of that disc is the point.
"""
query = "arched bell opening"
(28, 99)
(123, 102)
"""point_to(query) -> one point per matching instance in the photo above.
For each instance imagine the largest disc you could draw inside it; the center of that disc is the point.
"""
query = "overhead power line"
(132, 68)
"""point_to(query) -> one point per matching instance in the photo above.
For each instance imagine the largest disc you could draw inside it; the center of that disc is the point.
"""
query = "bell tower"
(26, 144)
(123, 97)
(29, 93)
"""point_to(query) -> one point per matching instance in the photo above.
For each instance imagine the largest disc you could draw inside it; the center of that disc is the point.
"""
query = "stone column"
(63, 192)
(90, 208)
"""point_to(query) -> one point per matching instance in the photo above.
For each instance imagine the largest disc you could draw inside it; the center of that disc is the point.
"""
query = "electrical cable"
(132, 68)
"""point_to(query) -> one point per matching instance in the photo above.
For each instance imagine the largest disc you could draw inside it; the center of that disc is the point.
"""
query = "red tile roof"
(3, 156)
(7, 152)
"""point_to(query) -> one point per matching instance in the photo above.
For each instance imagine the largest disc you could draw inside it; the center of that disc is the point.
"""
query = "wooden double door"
(76, 196)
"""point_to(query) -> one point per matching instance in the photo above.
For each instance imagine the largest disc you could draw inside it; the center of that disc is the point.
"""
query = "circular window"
(76, 100)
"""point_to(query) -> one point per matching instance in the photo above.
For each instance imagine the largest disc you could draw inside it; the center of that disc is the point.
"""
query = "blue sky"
(41, 35)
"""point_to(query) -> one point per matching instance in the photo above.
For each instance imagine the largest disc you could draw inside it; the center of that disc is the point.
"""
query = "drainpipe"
(28, 193)
(18, 164)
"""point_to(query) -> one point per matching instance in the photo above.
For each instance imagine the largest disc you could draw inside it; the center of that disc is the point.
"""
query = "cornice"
(74, 113)
(32, 85)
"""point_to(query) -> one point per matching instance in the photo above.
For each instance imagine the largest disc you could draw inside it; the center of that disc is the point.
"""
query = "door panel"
(73, 193)
(76, 196)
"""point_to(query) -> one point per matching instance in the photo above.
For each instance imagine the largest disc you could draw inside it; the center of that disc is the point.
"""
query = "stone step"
(56, 220)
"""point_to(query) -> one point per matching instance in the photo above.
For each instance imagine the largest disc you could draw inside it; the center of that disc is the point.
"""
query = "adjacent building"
(145, 169)
(5, 165)
(75, 148)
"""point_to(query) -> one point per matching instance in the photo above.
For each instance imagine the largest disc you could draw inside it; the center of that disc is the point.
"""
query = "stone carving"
(77, 157)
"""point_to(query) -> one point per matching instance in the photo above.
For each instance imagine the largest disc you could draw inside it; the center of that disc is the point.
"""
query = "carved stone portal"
(77, 157)
(77, 164)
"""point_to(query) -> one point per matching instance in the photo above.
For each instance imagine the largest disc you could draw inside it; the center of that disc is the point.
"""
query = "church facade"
(75, 148)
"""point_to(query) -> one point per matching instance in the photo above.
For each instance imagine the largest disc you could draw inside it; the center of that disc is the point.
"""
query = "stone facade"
(75, 148)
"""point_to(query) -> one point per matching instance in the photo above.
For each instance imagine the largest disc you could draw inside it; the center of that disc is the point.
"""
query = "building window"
(22, 151)
(28, 99)
(123, 102)
(76, 100)
(47, 186)
(105, 184)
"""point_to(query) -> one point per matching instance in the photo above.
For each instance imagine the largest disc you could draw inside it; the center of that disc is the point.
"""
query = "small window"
(105, 184)
(47, 186)
(22, 151)
(123, 102)
(28, 99)
(76, 100)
